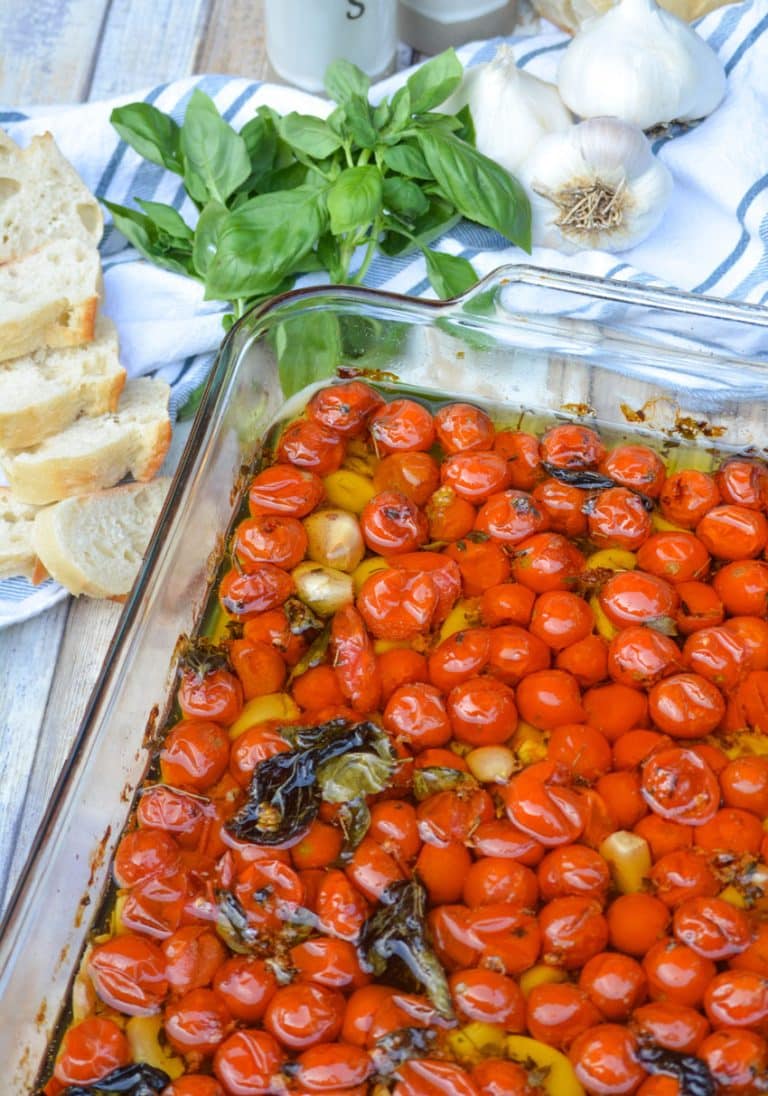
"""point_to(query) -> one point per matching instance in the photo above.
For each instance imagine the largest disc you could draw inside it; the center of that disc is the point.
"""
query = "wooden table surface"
(64, 51)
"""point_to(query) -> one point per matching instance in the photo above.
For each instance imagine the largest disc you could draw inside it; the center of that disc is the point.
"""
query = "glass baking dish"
(682, 370)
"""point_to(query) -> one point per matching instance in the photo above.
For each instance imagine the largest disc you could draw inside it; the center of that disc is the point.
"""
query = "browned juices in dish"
(465, 794)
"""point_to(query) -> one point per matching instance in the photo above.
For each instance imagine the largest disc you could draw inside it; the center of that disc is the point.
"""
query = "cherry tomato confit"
(466, 791)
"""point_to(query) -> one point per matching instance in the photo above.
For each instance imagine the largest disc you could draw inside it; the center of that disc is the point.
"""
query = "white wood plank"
(46, 49)
(88, 632)
(145, 43)
(28, 654)
(234, 40)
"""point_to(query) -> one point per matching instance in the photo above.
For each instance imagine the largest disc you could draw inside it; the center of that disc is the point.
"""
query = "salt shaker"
(304, 36)
(433, 25)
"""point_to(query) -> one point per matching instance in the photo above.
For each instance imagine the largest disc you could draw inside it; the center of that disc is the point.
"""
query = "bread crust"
(43, 393)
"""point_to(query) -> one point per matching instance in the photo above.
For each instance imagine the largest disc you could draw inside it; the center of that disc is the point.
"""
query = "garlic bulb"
(642, 64)
(597, 185)
(511, 109)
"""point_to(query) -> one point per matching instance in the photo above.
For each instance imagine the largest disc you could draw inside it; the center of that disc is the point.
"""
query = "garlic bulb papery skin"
(511, 109)
(642, 64)
(596, 186)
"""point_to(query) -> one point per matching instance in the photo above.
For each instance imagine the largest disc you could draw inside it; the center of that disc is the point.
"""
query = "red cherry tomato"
(391, 523)
(344, 408)
(401, 426)
(571, 446)
(246, 1062)
(90, 1050)
(539, 802)
(310, 445)
(284, 489)
(461, 427)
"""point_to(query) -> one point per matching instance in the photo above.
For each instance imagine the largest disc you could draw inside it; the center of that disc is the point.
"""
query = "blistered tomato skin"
(519, 762)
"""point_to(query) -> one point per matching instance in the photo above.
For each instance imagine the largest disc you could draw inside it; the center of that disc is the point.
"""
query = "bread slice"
(96, 452)
(17, 556)
(95, 543)
(42, 198)
(42, 392)
(49, 298)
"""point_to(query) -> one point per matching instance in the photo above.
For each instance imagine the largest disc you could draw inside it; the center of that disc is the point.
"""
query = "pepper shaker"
(433, 25)
(305, 36)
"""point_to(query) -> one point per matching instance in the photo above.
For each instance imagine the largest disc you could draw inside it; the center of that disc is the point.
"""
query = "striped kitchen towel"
(713, 239)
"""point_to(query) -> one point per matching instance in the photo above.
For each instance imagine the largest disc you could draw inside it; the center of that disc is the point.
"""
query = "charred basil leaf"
(232, 926)
(439, 778)
(397, 931)
(397, 1047)
(579, 477)
(589, 481)
(139, 1079)
(692, 1073)
(358, 773)
(286, 790)
(300, 617)
(314, 655)
(201, 656)
(354, 818)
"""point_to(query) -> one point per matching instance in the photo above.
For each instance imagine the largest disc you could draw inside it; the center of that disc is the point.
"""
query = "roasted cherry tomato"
(461, 427)
(309, 444)
(344, 408)
(401, 426)
(636, 467)
(572, 447)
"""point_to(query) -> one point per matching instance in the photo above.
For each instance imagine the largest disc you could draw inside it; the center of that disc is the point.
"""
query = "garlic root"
(598, 185)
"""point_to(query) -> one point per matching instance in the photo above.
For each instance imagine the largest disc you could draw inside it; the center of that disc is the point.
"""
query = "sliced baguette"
(43, 392)
(95, 543)
(17, 556)
(42, 198)
(93, 453)
(49, 298)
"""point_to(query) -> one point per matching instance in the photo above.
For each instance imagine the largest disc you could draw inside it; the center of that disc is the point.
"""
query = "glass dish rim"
(235, 343)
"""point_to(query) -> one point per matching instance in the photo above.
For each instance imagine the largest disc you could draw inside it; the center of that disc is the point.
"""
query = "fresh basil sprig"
(294, 194)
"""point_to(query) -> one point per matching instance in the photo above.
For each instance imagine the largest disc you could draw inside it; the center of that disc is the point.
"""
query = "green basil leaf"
(308, 350)
(478, 187)
(343, 80)
(153, 134)
(401, 110)
(431, 84)
(260, 136)
(439, 219)
(262, 241)
(216, 159)
(337, 120)
(329, 254)
(284, 178)
(309, 135)
(403, 196)
(207, 231)
(140, 231)
(359, 122)
(467, 131)
(448, 123)
(381, 114)
(407, 159)
(355, 198)
(168, 219)
(449, 275)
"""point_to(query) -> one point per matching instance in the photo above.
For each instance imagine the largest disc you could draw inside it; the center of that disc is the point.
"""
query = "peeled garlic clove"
(642, 64)
(596, 186)
(324, 589)
(511, 109)
(334, 539)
